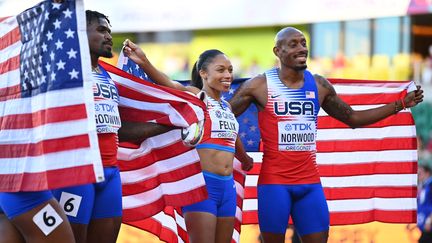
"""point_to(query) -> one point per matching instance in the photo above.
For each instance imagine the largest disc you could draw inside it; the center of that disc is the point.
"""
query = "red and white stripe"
(368, 174)
(169, 224)
(161, 171)
(46, 141)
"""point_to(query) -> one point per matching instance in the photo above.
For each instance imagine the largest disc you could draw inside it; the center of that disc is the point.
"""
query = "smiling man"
(288, 99)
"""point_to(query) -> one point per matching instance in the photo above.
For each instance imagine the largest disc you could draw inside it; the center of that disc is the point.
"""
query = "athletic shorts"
(93, 201)
(305, 203)
(16, 203)
(222, 196)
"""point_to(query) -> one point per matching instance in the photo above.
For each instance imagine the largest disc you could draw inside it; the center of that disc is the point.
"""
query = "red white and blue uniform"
(103, 199)
(220, 127)
(220, 133)
(107, 116)
(289, 179)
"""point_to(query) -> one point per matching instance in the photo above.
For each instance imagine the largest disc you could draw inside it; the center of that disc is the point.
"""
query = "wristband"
(397, 107)
(403, 104)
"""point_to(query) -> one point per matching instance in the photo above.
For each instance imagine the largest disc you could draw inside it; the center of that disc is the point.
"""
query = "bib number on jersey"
(223, 125)
(107, 116)
(296, 135)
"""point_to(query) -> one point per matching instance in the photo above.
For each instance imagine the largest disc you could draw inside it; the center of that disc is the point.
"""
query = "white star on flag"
(67, 13)
(73, 74)
(69, 33)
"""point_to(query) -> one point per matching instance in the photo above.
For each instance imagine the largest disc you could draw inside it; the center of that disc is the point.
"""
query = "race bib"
(47, 219)
(106, 97)
(107, 117)
(297, 135)
(223, 125)
(70, 203)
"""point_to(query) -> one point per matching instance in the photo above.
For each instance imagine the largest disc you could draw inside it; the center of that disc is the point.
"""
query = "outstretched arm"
(139, 131)
(337, 108)
(253, 90)
(137, 55)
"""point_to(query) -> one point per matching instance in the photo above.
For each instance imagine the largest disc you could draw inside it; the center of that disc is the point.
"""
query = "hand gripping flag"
(161, 171)
(47, 130)
(369, 174)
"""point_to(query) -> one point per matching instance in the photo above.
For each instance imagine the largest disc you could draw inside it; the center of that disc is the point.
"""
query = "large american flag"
(368, 174)
(161, 171)
(47, 131)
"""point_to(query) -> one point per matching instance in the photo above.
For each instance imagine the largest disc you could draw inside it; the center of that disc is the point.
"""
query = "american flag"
(129, 66)
(310, 94)
(168, 224)
(368, 174)
(160, 171)
(47, 133)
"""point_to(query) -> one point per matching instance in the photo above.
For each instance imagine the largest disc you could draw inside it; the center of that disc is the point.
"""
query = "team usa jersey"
(288, 131)
(220, 127)
(107, 116)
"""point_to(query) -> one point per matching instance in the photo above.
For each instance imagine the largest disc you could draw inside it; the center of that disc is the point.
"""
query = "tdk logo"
(294, 108)
(105, 107)
(298, 127)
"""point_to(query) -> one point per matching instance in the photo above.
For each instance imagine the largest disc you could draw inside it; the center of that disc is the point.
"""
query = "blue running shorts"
(305, 203)
(93, 201)
(17, 203)
(222, 196)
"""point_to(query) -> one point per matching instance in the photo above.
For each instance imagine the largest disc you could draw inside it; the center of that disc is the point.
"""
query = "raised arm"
(337, 108)
(137, 55)
(251, 91)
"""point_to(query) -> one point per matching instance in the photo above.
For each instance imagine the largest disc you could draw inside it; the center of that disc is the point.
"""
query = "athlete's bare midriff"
(216, 161)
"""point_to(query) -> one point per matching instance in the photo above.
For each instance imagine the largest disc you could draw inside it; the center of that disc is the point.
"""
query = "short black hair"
(90, 15)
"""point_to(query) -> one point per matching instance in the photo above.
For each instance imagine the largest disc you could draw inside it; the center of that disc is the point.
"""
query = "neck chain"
(96, 69)
(219, 102)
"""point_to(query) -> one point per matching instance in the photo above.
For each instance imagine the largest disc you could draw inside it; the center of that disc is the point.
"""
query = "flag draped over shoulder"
(160, 171)
(368, 174)
(47, 129)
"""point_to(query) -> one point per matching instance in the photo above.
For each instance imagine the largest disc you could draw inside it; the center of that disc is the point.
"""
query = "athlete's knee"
(317, 237)
(267, 237)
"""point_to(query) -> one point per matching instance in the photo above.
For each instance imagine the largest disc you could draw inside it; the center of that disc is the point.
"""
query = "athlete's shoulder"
(323, 83)
(258, 79)
(319, 78)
